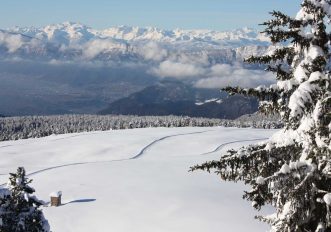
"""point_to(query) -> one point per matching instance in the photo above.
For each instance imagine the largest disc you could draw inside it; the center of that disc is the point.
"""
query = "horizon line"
(132, 26)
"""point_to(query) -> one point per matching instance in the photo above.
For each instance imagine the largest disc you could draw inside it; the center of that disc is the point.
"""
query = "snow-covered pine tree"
(19, 210)
(291, 171)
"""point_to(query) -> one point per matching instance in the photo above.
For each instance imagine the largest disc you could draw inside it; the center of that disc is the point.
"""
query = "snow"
(300, 73)
(314, 52)
(285, 85)
(26, 197)
(286, 209)
(297, 164)
(320, 227)
(136, 180)
(217, 100)
(241, 152)
(56, 194)
(76, 33)
(301, 97)
(269, 146)
(18, 181)
(324, 4)
(327, 199)
(260, 180)
(302, 15)
(285, 169)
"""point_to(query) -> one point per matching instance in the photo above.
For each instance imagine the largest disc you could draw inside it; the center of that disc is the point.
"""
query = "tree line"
(14, 128)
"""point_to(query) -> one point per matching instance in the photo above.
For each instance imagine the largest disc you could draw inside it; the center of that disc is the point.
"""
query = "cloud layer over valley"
(209, 59)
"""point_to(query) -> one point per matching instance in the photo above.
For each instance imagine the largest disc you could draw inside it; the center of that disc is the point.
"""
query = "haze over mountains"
(72, 68)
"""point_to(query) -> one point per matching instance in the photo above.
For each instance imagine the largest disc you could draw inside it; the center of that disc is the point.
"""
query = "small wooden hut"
(56, 198)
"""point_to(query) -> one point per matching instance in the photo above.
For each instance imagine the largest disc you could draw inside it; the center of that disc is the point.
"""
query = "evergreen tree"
(291, 171)
(19, 210)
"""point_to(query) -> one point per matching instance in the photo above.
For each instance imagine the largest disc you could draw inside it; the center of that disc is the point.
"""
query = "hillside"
(177, 98)
(135, 180)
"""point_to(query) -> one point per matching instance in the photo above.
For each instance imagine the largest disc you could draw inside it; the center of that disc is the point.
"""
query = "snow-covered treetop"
(301, 67)
(292, 170)
(19, 209)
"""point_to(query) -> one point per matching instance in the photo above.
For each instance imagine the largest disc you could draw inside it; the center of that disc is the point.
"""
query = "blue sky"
(167, 14)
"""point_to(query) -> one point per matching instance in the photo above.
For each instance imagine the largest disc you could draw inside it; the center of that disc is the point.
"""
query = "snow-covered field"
(136, 180)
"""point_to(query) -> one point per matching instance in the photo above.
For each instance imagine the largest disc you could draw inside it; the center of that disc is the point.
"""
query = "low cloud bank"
(222, 75)
(204, 69)
(11, 41)
(153, 51)
(213, 76)
(177, 70)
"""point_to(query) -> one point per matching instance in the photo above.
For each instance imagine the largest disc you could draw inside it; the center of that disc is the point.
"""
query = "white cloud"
(221, 69)
(215, 76)
(153, 51)
(177, 70)
(11, 41)
(195, 65)
(94, 47)
(222, 75)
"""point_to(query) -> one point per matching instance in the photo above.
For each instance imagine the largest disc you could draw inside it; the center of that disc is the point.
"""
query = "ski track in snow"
(68, 137)
(164, 138)
(73, 164)
(80, 135)
(143, 150)
(6, 146)
(140, 154)
(220, 147)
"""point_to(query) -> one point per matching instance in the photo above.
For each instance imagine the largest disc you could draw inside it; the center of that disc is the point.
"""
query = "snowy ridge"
(69, 32)
(77, 42)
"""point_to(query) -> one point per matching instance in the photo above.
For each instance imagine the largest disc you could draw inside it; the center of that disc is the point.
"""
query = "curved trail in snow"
(220, 147)
(73, 164)
(68, 136)
(141, 153)
(53, 140)
(79, 135)
(164, 138)
(6, 146)
(68, 165)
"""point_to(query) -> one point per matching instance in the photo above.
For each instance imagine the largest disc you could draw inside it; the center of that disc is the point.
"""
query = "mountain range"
(75, 33)
(73, 68)
(77, 42)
